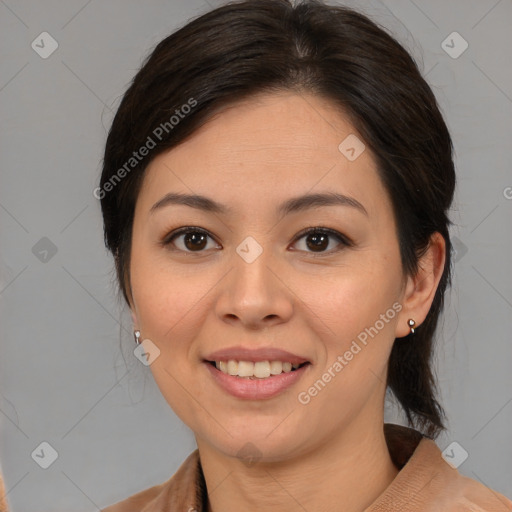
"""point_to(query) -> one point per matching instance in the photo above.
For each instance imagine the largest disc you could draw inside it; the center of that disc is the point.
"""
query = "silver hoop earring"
(411, 323)
(136, 335)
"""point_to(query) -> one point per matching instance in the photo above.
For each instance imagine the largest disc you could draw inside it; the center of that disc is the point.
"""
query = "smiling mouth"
(255, 370)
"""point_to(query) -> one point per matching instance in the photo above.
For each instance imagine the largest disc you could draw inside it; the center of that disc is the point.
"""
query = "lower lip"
(256, 389)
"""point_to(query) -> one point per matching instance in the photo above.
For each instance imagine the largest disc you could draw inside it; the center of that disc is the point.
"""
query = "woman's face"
(246, 283)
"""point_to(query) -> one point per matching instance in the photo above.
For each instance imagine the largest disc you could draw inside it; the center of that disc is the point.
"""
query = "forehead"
(264, 150)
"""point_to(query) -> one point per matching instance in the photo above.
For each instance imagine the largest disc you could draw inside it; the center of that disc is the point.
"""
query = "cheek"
(355, 314)
(172, 305)
(167, 296)
(352, 299)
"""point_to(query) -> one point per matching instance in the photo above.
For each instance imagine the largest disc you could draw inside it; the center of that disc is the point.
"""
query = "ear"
(420, 289)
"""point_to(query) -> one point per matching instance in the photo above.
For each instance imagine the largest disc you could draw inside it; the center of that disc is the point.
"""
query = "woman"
(275, 191)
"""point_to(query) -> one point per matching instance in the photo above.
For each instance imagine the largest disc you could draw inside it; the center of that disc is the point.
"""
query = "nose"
(254, 295)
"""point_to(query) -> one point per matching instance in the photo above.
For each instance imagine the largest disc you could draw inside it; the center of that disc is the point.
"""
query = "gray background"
(68, 375)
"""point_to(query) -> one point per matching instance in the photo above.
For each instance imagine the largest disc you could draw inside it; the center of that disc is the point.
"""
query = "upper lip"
(255, 355)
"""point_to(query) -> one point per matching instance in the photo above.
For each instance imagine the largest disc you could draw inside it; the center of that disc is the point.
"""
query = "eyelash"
(342, 239)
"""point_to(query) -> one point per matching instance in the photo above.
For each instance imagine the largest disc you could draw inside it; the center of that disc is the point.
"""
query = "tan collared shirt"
(425, 482)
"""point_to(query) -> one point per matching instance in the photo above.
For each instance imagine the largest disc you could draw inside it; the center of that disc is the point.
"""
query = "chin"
(255, 444)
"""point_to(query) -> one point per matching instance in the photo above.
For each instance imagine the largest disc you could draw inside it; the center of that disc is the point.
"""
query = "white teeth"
(232, 367)
(245, 368)
(260, 369)
(276, 367)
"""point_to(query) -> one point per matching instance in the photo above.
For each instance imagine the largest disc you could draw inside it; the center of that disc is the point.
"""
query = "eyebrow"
(295, 204)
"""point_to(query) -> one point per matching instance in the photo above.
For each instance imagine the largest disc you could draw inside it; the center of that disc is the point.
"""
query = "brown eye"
(188, 239)
(317, 240)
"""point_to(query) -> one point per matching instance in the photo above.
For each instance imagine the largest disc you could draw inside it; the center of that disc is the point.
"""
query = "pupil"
(197, 240)
(319, 241)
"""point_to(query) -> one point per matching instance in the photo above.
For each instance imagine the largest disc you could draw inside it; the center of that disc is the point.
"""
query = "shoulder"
(180, 492)
(426, 482)
(3, 502)
(137, 502)
(470, 494)
(451, 490)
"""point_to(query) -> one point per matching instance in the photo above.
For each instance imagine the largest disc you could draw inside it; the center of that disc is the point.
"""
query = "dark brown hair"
(248, 47)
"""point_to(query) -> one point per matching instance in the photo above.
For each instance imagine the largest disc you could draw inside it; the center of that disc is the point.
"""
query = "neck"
(347, 474)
